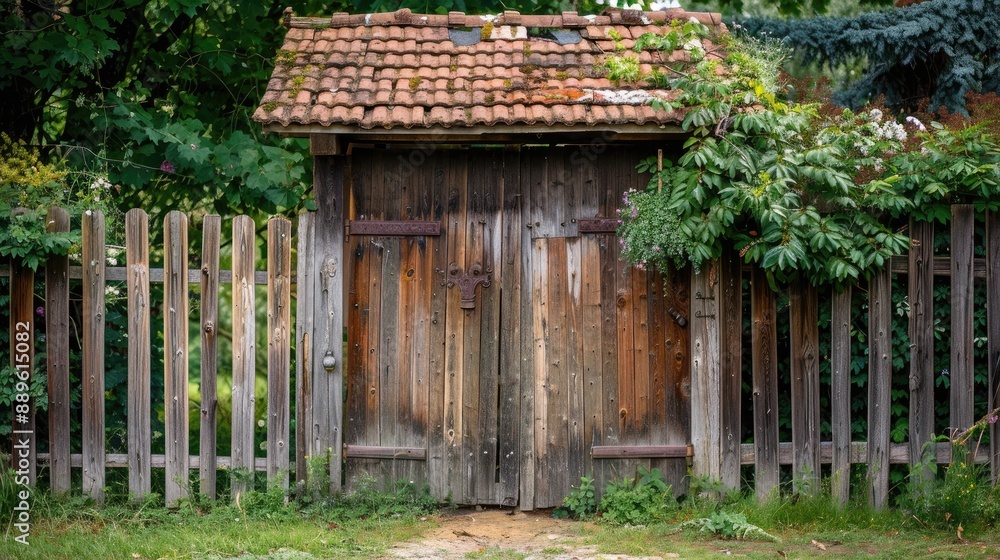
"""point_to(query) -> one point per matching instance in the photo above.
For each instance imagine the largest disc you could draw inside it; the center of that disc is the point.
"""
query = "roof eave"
(607, 133)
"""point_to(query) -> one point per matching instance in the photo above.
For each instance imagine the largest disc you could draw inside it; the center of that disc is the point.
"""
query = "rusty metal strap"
(597, 225)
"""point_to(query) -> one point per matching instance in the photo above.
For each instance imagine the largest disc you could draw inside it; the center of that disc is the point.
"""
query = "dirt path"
(535, 534)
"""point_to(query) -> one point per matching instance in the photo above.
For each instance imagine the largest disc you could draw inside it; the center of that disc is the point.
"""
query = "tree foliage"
(939, 50)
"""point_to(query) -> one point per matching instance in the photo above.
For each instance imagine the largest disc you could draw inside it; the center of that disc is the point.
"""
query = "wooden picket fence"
(806, 452)
(716, 329)
(175, 277)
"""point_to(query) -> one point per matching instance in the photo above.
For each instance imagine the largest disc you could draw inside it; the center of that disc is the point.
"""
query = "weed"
(729, 526)
(285, 57)
(622, 69)
(580, 503)
(494, 552)
(487, 31)
(637, 501)
(415, 82)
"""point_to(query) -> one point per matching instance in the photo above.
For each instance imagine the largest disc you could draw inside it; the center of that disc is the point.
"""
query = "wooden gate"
(496, 346)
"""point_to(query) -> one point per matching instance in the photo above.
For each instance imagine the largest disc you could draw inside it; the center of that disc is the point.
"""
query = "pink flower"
(167, 167)
(40, 311)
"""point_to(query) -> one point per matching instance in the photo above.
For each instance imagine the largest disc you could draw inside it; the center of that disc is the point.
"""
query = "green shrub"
(729, 526)
(581, 503)
(642, 500)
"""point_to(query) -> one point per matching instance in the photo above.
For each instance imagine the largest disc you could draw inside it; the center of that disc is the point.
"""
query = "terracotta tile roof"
(404, 70)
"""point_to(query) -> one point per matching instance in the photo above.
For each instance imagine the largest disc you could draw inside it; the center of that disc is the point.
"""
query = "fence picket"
(879, 385)
(840, 394)
(244, 353)
(731, 330)
(765, 384)
(804, 309)
(279, 256)
(921, 328)
(22, 359)
(993, 331)
(57, 357)
(139, 437)
(175, 348)
(705, 373)
(210, 235)
(93, 354)
(961, 370)
(304, 306)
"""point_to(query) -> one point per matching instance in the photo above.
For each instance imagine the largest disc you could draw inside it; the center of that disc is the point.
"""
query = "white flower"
(875, 115)
(914, 121)
(693, 45)
(100, 183)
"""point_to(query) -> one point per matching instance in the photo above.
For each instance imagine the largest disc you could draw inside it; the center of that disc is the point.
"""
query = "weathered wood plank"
(556, 333)
(139, 373)
(486, 180)
(120, 461)
(175, 360)
(22, 359)
(706, 373)
(857, 452)
(804, 310)
(639, 420)
(879, 386)
(120, 274)
(304, 320)
(57, 357)
(376, 452)
(941, 265)
(677, 366)
(210, 240)
(395, 228)
(244, 351)
(392, 329)
(962, 372)
(626, 356)
(537, 308)
(279, 272)
(731, 393)
(612, 188)
(328, 319)
(993, 334)
(592, 345)
(437, 468)
(645, 451)
(93, 354)
(510, 286)
(358, 348)
(920, 290)
(840, 394)
(528, 461)
(456, 325)
(765, 384)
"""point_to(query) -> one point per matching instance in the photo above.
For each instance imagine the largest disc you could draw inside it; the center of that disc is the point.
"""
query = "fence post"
(304, 312)
(211, 232)
(175, 347)
(804, 320)
(139, 440)
(731, 331)
(328, 297)
(840, 395)
(22, 359)
(961, 372)
(57, 357)
(765, 384)
(706, 420)
(993, 330)
(879, 385)
(279, 254)
(244, 352)
(93, 354)
(920, 286)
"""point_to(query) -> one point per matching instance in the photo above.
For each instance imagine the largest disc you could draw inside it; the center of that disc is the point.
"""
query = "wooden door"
(424, 319)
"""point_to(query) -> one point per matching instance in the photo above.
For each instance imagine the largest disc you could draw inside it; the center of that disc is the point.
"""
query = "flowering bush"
(649, 232)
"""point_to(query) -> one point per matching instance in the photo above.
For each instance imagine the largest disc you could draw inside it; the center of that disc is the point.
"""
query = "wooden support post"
(175, 350)
(57, 357)
(765, 385)
(279, 276)
(304, 320)
(706, 421)
(920, 282)
(840, 395)
(879, 385)
(327, 341)
(804, 309)
(731, 330)
(210, 237)
(993, 330)
(93, 354)
(22, 359)
(244, 352)
(139, 436)
(963, 228)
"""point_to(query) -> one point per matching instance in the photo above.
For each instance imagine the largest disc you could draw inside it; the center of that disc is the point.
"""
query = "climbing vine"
(803, 190)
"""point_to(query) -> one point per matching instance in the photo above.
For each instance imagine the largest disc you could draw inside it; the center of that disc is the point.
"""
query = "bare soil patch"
(504, 533)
